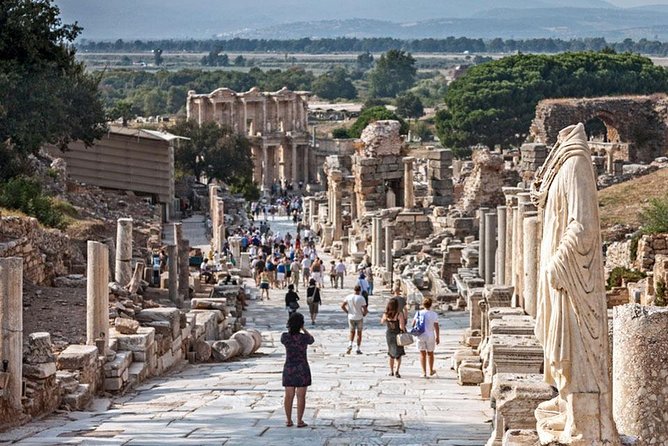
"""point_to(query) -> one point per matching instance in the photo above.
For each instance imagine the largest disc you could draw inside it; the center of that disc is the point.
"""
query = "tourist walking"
(280, 274)
(396, 324)
(332, 274)
(306, 269)
(364, 286)
(291, 300)
(296, 371)
(402, 307)
(294, 272)
(340, 274)
(356, 308)
(316, 271)
(313, 300)
(430, 338)
(264, 285)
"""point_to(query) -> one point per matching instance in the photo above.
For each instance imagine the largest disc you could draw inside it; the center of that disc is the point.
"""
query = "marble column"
(531, 240)
(389, 241)
(336, 197)
(294, 174)
(481, 241)
(123, 270)
(183, 264)
(11, 327)
(376, 242)
(244, 125)
(265, 169)
(409, 191)
(97, 294)
(490, 246)
(523, 205)
(264, 116)
(173, 271)
(501, 246)
(510, 194)
(307, 154)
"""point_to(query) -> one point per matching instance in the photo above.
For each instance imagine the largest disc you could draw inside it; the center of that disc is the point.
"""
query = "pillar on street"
(409, 191)
(510, 194)
(336, 197)
(500, 269)
(490, 246)
(97, 294)
(531, 259)
(123, 251)
(481, 241)
(524, 204)
(11, 326)
(389, 241)
(183, 264)
(173, 271)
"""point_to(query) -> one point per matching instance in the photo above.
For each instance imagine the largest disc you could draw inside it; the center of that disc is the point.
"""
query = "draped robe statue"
(571, 321)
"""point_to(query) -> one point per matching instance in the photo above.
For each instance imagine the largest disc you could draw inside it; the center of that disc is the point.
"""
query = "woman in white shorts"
(428, 340)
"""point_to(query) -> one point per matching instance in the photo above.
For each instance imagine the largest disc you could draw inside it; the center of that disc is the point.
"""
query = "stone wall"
(618, 254)
(639, 120)
(649, 246)
(46, 252)
(483, 186)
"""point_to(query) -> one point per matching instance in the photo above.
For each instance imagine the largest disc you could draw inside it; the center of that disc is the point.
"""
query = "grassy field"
(622, 203)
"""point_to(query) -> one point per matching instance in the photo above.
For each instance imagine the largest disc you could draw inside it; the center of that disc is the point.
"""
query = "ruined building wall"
(639, 120)
(483, 186)
(46, 252)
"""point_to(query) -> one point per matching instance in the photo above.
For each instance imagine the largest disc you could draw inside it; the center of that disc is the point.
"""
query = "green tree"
(122, 109)
(365, 61)
(46, 96)
(409, 106)
(494, 103)
(374, 114)
(239, 61)
(394, 73)
(215, 59)
(654, 217)
(212, 151)
(334, 84)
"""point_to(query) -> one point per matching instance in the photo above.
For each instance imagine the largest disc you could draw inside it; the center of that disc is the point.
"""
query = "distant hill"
(156, 19)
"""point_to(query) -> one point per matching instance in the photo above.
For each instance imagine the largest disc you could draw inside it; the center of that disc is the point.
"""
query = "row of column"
(509, 238)
(266, 167)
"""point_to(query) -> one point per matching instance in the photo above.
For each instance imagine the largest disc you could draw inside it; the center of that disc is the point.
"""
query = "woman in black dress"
(296, 371)
(313, 299)
(396, 323)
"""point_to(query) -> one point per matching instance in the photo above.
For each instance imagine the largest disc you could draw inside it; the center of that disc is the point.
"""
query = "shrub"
(25, 194)
(654, 217)
(340, 133)
(660, 294)
(620, 274)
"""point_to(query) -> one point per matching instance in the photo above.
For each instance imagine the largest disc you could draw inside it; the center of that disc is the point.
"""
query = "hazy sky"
(638, 2)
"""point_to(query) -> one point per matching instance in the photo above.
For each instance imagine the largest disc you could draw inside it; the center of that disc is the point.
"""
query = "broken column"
(183, 264)
(409, 191)
(11, 326)
(501, 246)
(640, 355)
(523, 205)
(511, 204)
(531, 242)
(490, 246)
(173, 271)
(481, 241)
(97, 294)
(389, 238)
(123, 251)
(336, 178)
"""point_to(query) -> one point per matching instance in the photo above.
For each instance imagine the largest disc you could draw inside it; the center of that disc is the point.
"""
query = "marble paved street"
(352, 400)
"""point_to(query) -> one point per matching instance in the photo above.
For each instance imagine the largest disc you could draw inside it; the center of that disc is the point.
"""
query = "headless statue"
(571, 321)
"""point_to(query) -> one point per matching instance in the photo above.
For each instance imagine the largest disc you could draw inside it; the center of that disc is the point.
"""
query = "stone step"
(79, 399)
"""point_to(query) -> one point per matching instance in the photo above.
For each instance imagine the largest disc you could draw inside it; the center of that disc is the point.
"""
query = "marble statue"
(571, 321)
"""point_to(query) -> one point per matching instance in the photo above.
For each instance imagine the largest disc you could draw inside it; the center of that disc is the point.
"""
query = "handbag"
(404, 339)
(294, 305)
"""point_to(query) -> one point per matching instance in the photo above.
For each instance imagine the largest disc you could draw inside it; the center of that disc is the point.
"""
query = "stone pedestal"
(97, 292)
(640, 372)
(235, 247)
(473, 299)
(409, 191)
(531, 242)
(173, 271)
(123, 270)
(490, 247)
(11, 326)
(244, 265)
(500, 270)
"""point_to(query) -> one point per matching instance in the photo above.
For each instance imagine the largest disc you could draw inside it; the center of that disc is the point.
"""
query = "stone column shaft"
(490, 246)
(11, 326)
(409, 192)
(501, 246)
(294, 174)
(265, 168)
(389, 241)
(173, 270)
(123, 251)
(523, 205)
(97, 294)
(531, 240)
(508, 273)
(481, 241)
(307, 153)
(183, 264)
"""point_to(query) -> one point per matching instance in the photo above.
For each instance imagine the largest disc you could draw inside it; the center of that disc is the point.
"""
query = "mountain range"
(271, 19)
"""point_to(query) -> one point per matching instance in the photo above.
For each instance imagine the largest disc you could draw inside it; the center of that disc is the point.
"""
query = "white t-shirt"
(356, 304)
(340, 267)
(430, 319)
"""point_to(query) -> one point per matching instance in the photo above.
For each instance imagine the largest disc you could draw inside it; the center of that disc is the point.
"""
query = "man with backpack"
(425, 327)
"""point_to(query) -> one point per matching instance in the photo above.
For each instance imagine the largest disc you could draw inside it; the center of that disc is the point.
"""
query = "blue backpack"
(418, 324)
